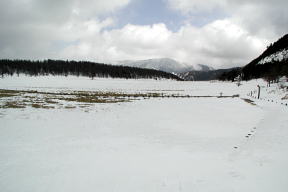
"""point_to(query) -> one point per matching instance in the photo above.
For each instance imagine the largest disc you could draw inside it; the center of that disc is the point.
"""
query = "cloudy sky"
(219, 33)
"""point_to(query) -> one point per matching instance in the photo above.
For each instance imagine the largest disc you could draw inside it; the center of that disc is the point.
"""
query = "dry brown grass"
(41, 106)
(7, 93)
(13, 104)
(49, 100)
(285, 97)
(74, 99)
(70, 107)
(249, 101)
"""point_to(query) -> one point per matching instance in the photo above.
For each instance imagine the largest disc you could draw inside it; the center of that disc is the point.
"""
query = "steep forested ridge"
(271, 64)
(78, 68)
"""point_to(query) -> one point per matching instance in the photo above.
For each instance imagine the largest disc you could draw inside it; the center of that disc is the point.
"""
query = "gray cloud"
(31, 28)
(71, 29)
(264, 18)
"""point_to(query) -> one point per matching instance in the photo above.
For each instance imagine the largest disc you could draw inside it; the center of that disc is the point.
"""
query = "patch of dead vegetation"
(41, 106)
(285, 97)
(92, 100)
(249, 101)
(50, 100)
(7, 93)
(73, 99)
(70, 107)
(13, 105)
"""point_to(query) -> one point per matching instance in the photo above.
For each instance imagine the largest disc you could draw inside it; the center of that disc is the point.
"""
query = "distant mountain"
(79, 68)
(271, 64)
(165, 64)
(205, 75)
(201, 67)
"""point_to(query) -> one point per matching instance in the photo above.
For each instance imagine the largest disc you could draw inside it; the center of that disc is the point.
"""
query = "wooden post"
(258, 91)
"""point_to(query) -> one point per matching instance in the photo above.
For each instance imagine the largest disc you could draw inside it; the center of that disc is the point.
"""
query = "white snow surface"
(278, 56)
(159, 144)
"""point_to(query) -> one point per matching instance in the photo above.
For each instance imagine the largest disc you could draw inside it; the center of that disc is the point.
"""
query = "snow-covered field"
(153, 144)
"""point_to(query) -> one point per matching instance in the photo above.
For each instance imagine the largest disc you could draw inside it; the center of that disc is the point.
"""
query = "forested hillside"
(271, 64)
(78, 68)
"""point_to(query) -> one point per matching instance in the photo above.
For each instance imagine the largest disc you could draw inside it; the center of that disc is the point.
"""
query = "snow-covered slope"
(271, 64)
(165, 64)
(278, 56)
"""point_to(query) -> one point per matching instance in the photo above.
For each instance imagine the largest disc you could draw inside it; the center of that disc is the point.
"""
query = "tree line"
(78, 68)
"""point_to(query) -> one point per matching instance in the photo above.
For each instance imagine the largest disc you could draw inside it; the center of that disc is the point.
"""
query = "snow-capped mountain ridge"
(165, 64)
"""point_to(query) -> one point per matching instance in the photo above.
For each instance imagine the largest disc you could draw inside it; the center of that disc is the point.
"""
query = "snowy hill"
(271, 64)
(165, 64)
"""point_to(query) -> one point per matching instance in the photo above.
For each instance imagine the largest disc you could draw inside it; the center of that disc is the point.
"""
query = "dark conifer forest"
(78, 68)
